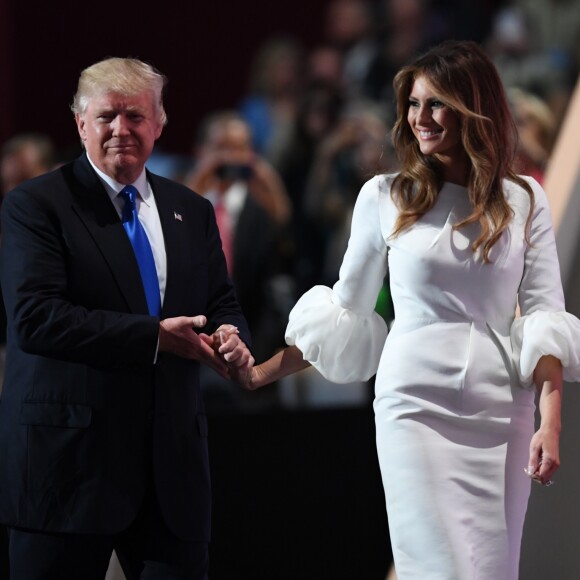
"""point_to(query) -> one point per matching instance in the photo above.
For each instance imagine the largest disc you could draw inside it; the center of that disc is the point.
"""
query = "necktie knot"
(129, 194)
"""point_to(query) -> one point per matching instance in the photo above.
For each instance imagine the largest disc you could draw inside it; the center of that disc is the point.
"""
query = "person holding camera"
(252, 209)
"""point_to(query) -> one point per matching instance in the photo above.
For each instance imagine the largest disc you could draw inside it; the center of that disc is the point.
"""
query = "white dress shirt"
(233, 199)
(148, 216)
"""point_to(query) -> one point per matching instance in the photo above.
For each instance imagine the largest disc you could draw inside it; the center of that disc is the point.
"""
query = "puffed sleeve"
(544, 328)
(337, 329)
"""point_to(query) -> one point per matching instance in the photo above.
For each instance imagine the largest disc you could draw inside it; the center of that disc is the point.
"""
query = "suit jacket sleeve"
(47, 321)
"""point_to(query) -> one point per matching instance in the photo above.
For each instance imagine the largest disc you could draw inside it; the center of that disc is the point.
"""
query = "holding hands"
(235, 354)
(223, 351)
(226, 353)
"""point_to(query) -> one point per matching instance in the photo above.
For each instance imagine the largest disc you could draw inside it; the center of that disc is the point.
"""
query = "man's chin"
(126, 159)
(124, 164)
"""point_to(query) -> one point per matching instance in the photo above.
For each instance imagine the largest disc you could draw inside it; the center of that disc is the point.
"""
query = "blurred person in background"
(350, 155)
(554, 27)
(404, 28)
(270, 105)
(23, 157)
(537, 131)
(318, 113)
(349, 28)
(536, 47)
(253, 211)
(324, 65)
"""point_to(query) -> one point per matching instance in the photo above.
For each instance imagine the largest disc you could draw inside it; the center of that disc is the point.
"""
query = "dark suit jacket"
(85, 415)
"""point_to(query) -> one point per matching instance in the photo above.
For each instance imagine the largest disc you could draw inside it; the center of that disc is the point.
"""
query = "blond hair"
(126, 76)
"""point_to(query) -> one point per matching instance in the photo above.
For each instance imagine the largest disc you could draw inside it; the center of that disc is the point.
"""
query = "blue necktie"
(142, 249)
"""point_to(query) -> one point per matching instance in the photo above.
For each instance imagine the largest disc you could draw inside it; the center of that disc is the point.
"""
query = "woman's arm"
(544, 447)
(285, 362)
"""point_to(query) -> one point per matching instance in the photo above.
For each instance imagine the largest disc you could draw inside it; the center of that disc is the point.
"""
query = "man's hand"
(177, 336)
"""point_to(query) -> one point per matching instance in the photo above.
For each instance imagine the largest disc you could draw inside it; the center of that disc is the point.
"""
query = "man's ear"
(158, 130)
(80, 126)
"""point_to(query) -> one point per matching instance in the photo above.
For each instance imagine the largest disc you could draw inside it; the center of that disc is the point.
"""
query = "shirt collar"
(113, 187)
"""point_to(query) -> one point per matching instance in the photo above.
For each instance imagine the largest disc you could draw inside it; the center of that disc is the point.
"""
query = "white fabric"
(328, 334)
(453, 421)
(233, 199)
(542, 333)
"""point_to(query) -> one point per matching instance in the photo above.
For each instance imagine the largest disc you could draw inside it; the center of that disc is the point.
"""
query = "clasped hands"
(223, 350)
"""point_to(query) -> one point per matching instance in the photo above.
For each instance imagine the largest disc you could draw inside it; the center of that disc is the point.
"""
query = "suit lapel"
(173, 228)
(94, 208)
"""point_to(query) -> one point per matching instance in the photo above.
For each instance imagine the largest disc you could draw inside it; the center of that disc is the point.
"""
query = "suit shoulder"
(181, 192)
(48, 187)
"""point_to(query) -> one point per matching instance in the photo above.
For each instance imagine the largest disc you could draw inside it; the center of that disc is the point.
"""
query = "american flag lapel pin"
(177, 216)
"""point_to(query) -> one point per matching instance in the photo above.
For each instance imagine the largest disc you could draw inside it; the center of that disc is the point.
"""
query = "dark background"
(297, 496)
(204, 48)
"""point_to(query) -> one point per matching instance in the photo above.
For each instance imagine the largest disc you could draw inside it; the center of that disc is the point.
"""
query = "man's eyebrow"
(134, 109)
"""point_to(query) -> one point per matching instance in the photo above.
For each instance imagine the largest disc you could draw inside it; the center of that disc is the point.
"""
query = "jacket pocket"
(56, 415)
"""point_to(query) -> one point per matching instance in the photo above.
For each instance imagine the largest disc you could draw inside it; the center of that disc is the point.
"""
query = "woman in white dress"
(465, 240)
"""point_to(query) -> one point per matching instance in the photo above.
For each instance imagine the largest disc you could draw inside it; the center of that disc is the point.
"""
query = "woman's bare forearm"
(282, 364)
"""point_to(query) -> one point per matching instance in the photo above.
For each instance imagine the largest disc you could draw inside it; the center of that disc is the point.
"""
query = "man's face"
(20, 165)
(119, 132)
(233, 140)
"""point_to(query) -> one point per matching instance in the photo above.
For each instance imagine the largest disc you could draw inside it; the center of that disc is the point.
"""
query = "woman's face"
(435, 126)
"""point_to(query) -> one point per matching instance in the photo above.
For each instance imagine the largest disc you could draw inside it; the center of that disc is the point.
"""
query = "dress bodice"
(436, 276)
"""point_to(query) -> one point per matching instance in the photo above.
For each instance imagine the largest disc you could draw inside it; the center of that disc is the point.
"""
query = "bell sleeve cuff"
(546, 333)
(343, 345)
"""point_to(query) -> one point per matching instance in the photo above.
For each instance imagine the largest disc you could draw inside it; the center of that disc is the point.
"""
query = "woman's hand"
(545, 445)
(544, 458)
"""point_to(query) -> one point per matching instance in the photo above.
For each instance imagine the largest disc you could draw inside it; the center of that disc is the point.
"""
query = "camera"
(231, 172)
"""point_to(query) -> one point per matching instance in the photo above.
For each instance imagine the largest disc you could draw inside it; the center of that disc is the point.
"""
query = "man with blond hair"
(116, 290)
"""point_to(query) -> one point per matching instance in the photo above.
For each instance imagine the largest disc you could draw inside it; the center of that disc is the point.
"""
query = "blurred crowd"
(283, 167)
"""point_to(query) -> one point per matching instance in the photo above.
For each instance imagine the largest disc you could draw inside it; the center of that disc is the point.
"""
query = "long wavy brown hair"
(465, 79)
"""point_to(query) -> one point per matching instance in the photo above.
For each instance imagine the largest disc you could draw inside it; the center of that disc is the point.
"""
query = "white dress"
(454, 402)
